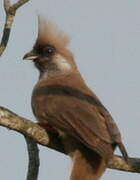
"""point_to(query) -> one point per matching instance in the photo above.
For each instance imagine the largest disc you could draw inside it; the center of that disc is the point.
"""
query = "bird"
(62, 100)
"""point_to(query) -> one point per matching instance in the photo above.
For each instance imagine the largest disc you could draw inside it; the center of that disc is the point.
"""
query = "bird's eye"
(48, 51)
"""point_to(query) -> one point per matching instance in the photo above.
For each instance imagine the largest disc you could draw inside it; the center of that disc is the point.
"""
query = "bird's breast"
(41, 106)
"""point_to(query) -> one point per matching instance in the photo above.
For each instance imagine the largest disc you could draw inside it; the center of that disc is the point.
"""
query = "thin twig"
(10, 11)
(19, 4)
(33, 166)
(7, 5)
(39, 135)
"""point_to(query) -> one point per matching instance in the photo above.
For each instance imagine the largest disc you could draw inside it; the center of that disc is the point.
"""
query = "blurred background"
(105, 39)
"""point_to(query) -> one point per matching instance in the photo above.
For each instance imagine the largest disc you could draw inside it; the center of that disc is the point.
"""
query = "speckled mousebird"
(62, 100)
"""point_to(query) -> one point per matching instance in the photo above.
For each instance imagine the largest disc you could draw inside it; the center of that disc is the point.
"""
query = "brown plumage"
(62, 99)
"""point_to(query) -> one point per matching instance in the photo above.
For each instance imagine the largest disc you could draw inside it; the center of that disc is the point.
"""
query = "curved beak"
(30, 56)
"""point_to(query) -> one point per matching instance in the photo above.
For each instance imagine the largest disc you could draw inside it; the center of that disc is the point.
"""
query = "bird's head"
(50, 54)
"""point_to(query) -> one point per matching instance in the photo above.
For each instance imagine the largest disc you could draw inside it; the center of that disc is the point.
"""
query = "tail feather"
(87, 166)
(123, 151)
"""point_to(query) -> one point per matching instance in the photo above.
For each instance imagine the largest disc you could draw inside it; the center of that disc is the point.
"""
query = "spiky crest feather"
(48, 33)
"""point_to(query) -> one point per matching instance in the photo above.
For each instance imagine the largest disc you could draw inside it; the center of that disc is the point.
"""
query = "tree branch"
(26, 127)
(10, 11)
(7, 5)
(19, 4)
(39, 135)
(32, 133)
(33, 167)
(119, 163)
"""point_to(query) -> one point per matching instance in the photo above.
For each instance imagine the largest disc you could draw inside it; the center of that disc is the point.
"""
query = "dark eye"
(48, 51)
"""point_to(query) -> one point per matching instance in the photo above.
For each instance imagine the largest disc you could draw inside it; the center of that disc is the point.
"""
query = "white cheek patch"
(62, 63)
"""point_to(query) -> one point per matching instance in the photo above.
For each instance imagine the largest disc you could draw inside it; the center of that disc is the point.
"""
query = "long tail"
(87, 166)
